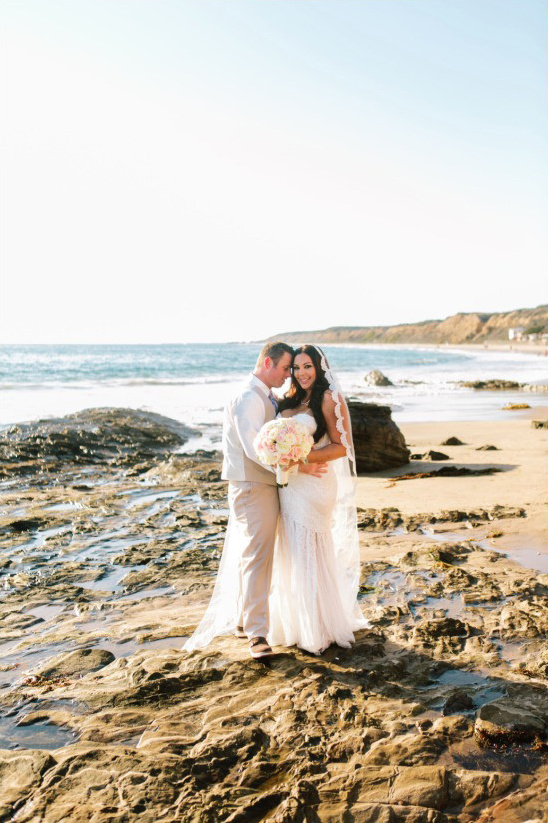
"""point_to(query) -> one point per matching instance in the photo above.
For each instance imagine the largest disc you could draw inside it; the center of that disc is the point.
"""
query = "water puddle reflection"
(109, 582)
(480, 689)
(46, 612)
(129, 646)
(39, 735)
(469, 755)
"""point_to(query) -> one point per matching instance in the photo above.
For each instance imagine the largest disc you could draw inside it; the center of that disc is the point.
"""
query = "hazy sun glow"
(181, 171)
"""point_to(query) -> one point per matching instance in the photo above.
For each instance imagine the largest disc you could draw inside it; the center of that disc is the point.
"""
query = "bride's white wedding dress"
(313, 597)
(316, 565)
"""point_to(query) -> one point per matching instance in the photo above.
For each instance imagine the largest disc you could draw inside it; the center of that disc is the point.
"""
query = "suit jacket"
(244, 416)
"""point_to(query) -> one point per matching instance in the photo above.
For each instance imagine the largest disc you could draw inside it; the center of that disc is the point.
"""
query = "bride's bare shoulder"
(288, 413)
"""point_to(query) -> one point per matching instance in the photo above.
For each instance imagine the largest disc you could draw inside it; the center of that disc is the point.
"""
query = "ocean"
(191, 382)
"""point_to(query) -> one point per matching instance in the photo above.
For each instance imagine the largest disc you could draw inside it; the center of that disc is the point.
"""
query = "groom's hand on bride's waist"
(315, 469)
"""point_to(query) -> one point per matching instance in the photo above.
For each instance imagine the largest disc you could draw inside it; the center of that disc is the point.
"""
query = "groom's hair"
(274, 351)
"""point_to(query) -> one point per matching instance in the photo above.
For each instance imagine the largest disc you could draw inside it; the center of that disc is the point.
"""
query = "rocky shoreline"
(439, 713)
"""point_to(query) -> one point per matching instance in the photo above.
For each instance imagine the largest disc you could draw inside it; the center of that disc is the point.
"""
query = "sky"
(215, 170)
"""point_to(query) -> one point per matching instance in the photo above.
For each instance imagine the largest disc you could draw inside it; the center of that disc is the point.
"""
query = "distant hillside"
(459, 328)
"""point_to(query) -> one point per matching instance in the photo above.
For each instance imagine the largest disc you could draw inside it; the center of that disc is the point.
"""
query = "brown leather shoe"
(258, 647)
(239, 633)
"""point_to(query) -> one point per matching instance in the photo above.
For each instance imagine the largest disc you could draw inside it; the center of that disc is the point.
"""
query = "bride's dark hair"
(295, 395)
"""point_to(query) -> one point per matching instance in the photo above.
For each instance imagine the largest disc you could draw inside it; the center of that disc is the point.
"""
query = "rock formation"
(491, 385)
(378, 442)
(377, 378)
(121, 437)
(431, 454)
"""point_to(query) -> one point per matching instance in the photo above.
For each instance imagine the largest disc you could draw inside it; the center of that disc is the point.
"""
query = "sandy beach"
(523, 482)
(517, 347)
(110, 544)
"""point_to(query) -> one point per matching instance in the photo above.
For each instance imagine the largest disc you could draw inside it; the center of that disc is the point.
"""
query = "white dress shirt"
(244, 416)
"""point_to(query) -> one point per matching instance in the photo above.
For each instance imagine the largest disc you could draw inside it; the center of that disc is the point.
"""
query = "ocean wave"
(121, 382)
(20, 386)
(180, 381)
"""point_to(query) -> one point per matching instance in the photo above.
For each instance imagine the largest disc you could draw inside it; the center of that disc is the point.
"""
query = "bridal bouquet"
(280, 442)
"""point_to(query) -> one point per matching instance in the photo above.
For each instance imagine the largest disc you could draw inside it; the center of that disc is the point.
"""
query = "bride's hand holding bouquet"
(282, 443)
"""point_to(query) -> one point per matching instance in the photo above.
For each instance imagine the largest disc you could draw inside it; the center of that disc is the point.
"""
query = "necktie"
(273, 401)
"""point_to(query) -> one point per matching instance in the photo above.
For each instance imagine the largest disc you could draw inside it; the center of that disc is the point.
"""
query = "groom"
(252, 491)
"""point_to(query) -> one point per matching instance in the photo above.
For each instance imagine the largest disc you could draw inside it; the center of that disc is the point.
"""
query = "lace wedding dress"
(312, 600)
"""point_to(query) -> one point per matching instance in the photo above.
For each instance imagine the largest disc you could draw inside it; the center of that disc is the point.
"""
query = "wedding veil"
(345, 527)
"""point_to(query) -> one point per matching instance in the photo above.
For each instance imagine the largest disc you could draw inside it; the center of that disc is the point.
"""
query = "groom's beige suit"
(253, 500)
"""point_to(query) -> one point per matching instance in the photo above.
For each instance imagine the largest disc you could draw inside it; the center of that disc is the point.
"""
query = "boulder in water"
(492, 385)
(377, 378)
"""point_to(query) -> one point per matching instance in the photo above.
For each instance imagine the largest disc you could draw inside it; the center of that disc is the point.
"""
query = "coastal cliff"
(458, 329)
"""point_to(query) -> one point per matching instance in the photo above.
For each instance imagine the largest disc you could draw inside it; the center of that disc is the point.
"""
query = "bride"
(316, 565)
(316, 560)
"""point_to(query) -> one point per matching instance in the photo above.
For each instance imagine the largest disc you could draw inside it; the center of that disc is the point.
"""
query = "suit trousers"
(254, 508)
